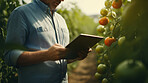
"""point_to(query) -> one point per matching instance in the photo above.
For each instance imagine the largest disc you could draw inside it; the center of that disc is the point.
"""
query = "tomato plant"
(125, 40)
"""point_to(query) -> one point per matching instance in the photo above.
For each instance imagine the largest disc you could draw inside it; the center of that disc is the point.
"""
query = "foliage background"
(76, 20)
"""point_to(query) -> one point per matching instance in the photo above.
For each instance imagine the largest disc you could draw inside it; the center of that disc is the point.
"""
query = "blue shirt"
(33, 27)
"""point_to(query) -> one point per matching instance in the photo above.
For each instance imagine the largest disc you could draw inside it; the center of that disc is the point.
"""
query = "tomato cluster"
(108, 25)
(122, 54)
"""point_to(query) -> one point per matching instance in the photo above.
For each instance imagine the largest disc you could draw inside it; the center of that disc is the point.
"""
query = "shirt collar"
(43, 6)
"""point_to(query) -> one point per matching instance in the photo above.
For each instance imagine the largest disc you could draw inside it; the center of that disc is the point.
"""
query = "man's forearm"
(55, 52)
(29, 58)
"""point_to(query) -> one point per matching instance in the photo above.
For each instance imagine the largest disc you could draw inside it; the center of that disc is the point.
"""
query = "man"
(37, 27)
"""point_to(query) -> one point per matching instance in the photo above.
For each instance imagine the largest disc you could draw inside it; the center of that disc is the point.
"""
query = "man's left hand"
(83, 54)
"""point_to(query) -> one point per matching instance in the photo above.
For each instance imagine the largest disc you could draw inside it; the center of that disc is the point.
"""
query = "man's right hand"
(56, 52)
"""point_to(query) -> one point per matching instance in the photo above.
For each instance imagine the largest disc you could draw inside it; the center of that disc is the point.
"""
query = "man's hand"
(56, 52)
(81, 55)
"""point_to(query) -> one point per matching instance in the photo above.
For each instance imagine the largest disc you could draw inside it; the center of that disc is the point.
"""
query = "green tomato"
(105, 80)
(99, 49)
(5, 13)
(121, 40)
(100, 28)
(101, 68)
(106, 58)
(99, 61)
(104, 12)
(130, 71)
(108, 4)
(98, 76)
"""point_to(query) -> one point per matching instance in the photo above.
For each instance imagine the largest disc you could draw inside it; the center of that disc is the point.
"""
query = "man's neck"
(46, 4)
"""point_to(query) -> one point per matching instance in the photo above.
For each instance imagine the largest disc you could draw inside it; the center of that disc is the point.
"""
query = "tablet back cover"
(80, 43)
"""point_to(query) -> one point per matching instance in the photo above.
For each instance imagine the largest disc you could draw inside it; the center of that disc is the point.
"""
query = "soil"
(85, 71)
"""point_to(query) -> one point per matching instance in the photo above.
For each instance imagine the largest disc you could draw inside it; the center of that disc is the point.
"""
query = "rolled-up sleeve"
(12, 56)
(16, 35)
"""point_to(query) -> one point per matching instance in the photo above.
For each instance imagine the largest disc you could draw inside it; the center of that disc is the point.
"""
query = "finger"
(59, 45)
(90, 49)
(87, 50)
(62, 50)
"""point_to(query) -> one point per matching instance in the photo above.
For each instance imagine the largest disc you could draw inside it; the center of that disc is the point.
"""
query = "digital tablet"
(81, 43)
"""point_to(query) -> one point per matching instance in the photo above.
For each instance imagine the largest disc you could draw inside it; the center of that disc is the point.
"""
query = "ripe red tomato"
(104, 21)
(108, 41)
(117, 4)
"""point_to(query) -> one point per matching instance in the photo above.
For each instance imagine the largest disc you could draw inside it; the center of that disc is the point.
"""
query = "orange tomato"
(117, 4)
(108, 41)
(104, 21)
